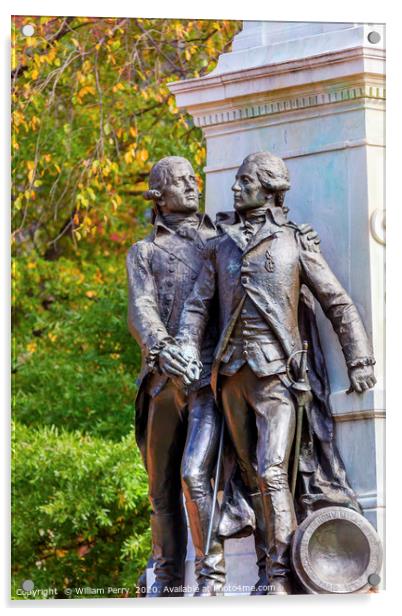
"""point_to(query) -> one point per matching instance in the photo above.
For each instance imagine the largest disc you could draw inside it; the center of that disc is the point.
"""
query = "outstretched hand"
(361, 379)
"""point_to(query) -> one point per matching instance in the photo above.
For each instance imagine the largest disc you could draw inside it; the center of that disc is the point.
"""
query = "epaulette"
(308, 237)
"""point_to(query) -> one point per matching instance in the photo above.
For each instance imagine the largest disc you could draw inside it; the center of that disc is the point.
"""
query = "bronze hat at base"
(336, 550)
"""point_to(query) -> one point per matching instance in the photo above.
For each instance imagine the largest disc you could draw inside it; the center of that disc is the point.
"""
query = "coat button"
(172, 258)
(169, 283)
(171, 270)
(168, 297)
(245, 354)
(244, 279)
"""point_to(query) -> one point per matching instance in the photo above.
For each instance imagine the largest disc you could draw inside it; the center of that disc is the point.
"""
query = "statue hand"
(194, 365)
(177, 362)
(194, 370)
(309, 237)
(172, 361)
(362, 378)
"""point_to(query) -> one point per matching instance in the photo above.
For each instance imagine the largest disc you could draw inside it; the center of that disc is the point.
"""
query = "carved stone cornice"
(355, 74)
(291, 102)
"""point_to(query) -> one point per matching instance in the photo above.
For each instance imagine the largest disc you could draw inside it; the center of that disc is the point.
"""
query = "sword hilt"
(302, 383)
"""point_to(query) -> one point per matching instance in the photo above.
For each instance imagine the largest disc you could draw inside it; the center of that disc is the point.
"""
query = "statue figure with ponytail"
(177, 423)
(264, 270)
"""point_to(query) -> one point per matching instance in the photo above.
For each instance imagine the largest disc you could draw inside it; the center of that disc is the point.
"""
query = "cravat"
(250, 226)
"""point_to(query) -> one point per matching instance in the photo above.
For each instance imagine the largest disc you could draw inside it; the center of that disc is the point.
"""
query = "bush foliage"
(80, 511)
(74, 361)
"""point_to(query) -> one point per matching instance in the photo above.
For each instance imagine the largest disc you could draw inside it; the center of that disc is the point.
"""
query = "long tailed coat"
(161, 271)
(276, 269)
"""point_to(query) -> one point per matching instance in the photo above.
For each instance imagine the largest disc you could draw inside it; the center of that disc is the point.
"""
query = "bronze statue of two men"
(221, 311)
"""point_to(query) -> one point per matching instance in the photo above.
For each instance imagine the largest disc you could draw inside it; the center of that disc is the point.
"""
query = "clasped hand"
(180, 363)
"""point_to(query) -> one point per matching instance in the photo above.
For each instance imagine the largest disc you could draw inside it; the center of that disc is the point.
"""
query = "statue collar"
(160, 226)
(233, 227)
(278, 215)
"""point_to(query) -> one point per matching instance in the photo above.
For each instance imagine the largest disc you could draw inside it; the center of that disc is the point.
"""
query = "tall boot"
(209, 568)
(169, 545)
(280, 522)
(261, 586)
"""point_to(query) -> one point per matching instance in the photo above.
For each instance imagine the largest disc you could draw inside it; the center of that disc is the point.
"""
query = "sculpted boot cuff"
(169, 543)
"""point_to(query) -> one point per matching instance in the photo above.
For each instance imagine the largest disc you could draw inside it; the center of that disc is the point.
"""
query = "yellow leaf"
(82, 199)
(143, 155)
(31, 347)
(200, 156)
(179, 28)
(128, 157)
(86, 90)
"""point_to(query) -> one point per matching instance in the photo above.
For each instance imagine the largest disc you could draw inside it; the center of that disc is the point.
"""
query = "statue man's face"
(249, 193)
(181, 192)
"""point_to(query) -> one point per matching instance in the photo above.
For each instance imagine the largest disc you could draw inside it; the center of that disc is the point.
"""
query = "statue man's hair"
(160, 175)
(272, 173)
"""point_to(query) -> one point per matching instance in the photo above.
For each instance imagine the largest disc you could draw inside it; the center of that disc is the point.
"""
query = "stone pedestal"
(313, 93)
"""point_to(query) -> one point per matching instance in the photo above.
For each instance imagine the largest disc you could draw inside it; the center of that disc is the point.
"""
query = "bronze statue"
(259, 268)
(177, 422)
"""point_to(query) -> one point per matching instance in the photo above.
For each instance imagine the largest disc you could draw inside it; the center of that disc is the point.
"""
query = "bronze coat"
(162, 270)
(283, 293)
(233, 268)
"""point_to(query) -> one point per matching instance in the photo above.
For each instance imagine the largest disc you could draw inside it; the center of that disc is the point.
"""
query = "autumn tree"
(91, 112)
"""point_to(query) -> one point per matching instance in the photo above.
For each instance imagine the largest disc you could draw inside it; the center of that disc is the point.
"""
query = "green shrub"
(74, 361)
(80, 511)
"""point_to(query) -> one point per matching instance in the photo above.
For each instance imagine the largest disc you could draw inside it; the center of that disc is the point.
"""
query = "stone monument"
(313, 93)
